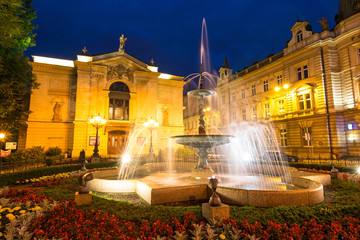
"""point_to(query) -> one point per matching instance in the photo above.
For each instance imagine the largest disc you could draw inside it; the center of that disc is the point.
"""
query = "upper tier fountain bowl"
(202, 141)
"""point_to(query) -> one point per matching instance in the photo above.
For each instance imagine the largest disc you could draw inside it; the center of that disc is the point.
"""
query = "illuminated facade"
(310, 91)
(125, 91)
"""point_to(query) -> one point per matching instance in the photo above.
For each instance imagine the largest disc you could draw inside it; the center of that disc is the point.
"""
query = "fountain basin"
(162, 188)
(202, 141)
(309, 193)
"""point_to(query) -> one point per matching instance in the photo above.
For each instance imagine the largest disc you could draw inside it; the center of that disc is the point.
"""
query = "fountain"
(245, 179)
(202, 142)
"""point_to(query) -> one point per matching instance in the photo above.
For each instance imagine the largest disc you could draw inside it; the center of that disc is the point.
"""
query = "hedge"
(326, 167)
(7, 179)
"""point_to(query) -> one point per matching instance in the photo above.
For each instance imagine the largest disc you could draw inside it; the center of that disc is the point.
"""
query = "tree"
(16, 77)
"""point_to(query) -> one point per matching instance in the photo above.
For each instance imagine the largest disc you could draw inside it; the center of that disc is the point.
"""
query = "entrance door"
(116, 142)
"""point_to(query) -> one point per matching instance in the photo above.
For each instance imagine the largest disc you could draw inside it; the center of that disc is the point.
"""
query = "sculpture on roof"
(324, 24)
(122, 42)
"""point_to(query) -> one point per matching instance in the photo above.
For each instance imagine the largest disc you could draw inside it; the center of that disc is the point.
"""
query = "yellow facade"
(72, 92)
(310, 92)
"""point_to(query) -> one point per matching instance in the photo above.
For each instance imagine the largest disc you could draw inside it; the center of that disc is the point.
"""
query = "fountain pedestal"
(219, 213)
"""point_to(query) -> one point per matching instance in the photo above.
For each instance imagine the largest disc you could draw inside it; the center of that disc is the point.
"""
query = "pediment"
(120, 60)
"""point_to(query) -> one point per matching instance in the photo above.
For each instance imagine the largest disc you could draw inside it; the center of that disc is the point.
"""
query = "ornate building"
(117, 86)
(310, 91)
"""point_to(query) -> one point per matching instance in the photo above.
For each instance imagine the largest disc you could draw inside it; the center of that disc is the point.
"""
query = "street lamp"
(2, 136)
(151, 125)
(97, 122)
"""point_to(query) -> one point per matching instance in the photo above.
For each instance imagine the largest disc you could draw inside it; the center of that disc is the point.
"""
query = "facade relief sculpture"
(165, 116)
(57, 112)
(120, 71)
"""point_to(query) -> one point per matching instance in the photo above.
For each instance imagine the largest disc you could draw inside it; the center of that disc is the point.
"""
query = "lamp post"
(97, 122)
(2, 136)
(151, 125)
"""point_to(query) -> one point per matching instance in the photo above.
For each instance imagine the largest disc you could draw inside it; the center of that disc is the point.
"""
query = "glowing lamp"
(352, 137)
(286, 86)
(126, 158)
(277, 89)
(165, 76)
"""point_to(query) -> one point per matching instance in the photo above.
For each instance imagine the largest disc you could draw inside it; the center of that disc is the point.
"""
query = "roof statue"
(122, 42)
(324, 24)
(84, 50)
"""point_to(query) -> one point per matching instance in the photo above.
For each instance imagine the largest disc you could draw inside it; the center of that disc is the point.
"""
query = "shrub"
(29, 155)
(53, 151)
(49, 161)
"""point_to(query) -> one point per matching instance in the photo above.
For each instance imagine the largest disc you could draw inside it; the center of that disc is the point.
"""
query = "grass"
(341, 201)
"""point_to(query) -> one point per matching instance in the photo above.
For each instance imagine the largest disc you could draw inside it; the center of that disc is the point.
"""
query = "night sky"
(170, 31)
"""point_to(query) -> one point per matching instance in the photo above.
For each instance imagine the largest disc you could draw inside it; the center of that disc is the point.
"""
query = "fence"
(16, 166)
(181, 160)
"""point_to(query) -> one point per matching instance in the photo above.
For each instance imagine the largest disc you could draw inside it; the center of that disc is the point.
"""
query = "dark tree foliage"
(16, 77)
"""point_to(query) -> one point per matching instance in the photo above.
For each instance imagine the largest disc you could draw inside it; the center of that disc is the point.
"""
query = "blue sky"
(170, 31)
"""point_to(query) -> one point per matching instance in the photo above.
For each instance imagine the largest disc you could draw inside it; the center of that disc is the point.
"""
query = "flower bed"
(66, 221)
(46, 181)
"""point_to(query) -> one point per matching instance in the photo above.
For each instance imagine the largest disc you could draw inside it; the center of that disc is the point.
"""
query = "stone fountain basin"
(202, 141)
(162, 188)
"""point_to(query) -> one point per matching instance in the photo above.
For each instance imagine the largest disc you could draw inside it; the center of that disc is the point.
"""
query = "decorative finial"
(84, 50)
(122, 42)
(152, 61)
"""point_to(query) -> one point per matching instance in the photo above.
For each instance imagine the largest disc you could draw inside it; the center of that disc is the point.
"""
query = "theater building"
(118, 87)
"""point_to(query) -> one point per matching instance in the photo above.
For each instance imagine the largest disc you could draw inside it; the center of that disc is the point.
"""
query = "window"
(254, 113)
(305, 71)
(304, 101)
(267, 110)
(299, 36)
(302, 72)
(283, 137)
(306, 136)
(253, 89)
(244, 115)
(119, 97)
(233, 97)
(223, 99)
(279, 80)
(281, 107)
(266, 85)
(234, 116)
(243, 93)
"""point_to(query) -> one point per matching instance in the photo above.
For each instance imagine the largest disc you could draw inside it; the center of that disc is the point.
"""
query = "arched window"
(119, 101)
(299, 36)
